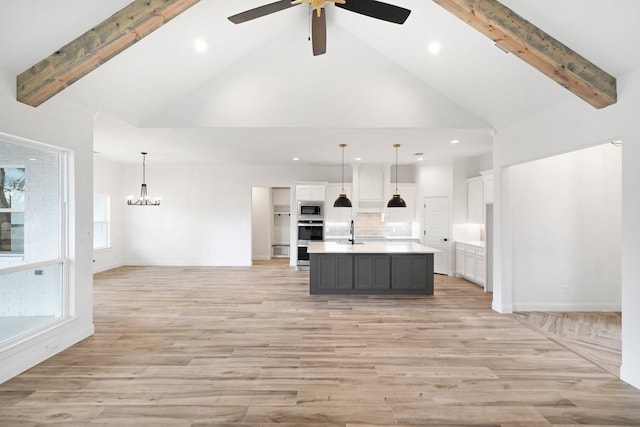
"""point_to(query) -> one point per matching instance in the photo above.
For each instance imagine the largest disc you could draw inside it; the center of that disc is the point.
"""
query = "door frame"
(448, 245)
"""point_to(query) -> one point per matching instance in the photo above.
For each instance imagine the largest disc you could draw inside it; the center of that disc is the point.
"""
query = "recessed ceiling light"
(420, 159)
(434, 48)
(455, 141)
(295, 159)
(200, 45)
(358, 159)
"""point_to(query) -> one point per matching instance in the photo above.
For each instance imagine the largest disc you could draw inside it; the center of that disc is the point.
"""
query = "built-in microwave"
(310, 210)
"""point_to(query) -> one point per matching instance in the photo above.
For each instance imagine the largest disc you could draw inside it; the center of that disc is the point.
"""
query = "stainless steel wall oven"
(308, 231)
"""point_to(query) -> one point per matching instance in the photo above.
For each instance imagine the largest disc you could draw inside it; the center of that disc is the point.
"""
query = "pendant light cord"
(144, 155)
(397, 145)
(342, 181)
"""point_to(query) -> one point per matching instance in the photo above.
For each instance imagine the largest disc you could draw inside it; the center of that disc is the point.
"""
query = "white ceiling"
(258, 96)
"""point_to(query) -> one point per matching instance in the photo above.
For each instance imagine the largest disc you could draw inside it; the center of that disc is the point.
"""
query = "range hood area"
(373, 186)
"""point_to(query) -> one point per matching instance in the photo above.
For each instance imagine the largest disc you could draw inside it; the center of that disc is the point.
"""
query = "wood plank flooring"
(595, 336)
(249, 346)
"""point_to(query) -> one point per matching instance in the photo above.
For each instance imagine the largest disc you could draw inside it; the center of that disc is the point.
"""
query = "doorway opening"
(270, 224)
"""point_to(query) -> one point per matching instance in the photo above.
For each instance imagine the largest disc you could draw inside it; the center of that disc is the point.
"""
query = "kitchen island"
(403, 268)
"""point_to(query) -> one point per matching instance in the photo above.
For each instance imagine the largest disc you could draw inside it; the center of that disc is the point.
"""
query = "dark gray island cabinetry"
(371, 268)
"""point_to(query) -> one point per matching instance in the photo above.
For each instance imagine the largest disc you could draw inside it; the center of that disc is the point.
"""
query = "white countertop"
(371, 238)
(369, 248)
(478, 243)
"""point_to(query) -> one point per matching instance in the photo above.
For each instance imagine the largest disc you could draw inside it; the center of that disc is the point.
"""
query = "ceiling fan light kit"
(371, 8)
(317, 5)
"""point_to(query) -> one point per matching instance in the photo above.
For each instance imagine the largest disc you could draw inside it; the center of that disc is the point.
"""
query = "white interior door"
(435, 233)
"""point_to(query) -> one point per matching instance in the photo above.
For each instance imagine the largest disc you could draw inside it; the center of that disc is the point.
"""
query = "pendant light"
(144, 197)
(396, 201)
(342, 201)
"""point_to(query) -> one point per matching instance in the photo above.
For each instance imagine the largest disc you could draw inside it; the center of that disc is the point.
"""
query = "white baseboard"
(502, 308)
(567, 307)
(36, 349)
(106, 267)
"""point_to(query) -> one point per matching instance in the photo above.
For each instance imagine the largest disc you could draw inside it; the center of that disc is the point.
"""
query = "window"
(101, 227)
(34, 286)
(12, 210)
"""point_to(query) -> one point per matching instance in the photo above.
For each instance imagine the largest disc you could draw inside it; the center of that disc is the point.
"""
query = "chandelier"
(144, 199)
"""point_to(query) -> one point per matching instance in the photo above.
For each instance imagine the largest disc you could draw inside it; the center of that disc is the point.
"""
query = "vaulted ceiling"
(258, 95)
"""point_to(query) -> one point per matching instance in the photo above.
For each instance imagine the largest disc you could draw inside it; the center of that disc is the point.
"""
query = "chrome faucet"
(353, 234)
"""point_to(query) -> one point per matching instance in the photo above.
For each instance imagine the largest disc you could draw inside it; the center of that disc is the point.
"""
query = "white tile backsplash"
(369, 225)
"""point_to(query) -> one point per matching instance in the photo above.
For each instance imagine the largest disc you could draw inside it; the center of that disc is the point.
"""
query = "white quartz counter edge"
(367, 239)
(479, 244)
(369, 248)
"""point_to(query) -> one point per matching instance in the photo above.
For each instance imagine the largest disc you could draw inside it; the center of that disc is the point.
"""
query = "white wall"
(108, 179)
(261, 219)
(566, 213)
(567, 127)
(65, 125)
(205, 215)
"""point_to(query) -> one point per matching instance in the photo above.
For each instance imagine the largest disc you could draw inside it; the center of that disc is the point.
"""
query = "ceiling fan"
(371, 8)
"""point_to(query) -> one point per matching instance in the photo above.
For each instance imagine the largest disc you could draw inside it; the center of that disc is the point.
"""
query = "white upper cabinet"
(371, 180)
(479, 193)
(311, 192)
(488, 188)
(475, 200)
(370, 187)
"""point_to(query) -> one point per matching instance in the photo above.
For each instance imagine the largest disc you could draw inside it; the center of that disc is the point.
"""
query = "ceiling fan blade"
(376, 9)
(319, 32)
(260, 11)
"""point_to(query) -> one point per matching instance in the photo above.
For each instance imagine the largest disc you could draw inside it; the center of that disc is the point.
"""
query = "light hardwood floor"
(249, 346)
(595, 336)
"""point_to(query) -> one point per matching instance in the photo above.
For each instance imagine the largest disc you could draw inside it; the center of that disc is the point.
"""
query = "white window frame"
(106, 223)
(63, 248)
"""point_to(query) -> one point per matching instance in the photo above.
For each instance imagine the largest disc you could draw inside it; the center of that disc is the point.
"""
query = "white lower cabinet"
(481, 267)
(471, 263)
(459, 260)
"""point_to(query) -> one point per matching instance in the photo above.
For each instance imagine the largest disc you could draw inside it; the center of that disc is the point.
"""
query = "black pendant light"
(342, 201)
(396, 201)
(144, 199)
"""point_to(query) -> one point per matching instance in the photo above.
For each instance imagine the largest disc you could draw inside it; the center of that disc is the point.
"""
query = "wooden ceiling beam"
(538, 49)
(95, 47)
